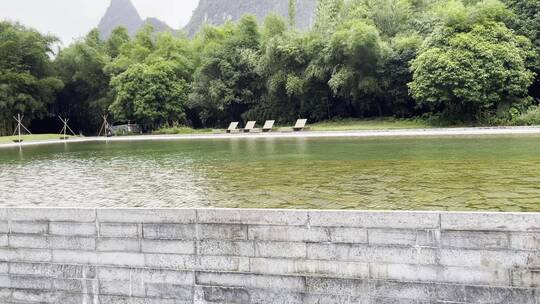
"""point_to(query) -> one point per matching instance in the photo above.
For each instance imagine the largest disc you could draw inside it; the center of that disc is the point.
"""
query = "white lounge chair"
(268, 126)
(233, 127)
(300, 125)
(250, 126)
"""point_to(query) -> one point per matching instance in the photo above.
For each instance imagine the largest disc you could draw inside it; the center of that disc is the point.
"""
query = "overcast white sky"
(72, 19)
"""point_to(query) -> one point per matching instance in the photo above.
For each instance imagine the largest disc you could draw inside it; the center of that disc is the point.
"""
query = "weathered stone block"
(273, 297)
(348, 235)
(171, 261)
(490, 221)
(24, 255)
(309, 267)
(226, 295)
(118, 244)
(119, 230)
(53, 270)
(340, 287)
(498, 295)
(333, 299)
(474, 239)
(219, 263)
(168, 246)
(28, 241)
(392, 237)
(405, 272)
(52, 214)
(266, 282)
(29, 227)
(167, 276)
(4, 227)
(526, 278)
(169, 231)
(74, 257)
(72, 229)
(4, 240)
(106, 299)
(222, 232)
(73, 243)
(169, 291)
(30, 282)
(403, 290)
(121, 259)
(373, 254)
(120, 288)
(525, 241)
(494, 259)
(224, 248)
(475, 276)
(289, 234)
(81, 286)
(280, 249)
(37, 296)
(179, 216)
(252, 217)
(376, 219)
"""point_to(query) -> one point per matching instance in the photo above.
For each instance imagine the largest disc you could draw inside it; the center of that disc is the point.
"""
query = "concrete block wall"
(210, 256)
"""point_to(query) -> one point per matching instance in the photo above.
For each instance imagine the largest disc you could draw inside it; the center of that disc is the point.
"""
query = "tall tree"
(227, 84)
(473, 64)
(28, 84)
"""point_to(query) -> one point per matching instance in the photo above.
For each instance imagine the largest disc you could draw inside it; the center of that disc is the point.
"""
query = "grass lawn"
(369, 124)
(33, 137)
(181, 130)
(336, 125)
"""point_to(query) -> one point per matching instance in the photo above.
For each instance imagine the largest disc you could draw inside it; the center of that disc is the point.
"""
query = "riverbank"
(307, 134)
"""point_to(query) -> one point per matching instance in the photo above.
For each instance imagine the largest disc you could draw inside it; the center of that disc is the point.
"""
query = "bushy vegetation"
(444, 61)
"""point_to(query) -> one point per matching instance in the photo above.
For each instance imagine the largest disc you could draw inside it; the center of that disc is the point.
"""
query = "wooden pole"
(19, 120)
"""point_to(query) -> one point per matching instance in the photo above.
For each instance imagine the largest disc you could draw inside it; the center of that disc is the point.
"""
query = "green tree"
(526, 22)
(472, 65)
(355, 52)
(226, 83)
(86, 95)
(28, 84)
(152, 95)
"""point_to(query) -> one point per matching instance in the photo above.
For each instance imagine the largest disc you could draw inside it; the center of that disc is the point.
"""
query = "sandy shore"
(308, 134)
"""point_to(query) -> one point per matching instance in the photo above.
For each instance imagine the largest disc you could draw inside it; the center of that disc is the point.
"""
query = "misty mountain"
(217, 12)
(124, 13)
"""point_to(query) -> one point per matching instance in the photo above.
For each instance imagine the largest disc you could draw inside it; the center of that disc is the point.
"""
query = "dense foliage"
(460, 60)
(28, 84)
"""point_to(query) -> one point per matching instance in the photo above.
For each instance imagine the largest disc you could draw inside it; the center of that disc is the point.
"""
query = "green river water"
(450, 173)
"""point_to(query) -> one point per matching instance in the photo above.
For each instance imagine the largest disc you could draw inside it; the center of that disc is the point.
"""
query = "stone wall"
(159, 256)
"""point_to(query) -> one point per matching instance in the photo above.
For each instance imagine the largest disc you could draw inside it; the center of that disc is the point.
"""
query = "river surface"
(445, 173)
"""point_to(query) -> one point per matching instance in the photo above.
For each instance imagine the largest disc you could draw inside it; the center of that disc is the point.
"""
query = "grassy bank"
(181, 130)
(33, 137)
(336, 125)
(369, 124)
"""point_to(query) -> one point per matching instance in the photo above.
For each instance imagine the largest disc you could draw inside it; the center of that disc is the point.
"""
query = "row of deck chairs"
(268, 126)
